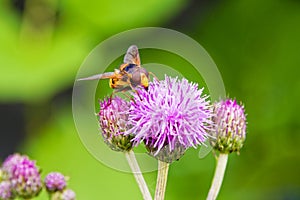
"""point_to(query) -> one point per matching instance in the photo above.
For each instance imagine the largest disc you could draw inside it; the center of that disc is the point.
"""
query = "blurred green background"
(255, 44)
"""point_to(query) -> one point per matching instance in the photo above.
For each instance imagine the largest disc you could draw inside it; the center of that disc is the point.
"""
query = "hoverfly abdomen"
(140, 76)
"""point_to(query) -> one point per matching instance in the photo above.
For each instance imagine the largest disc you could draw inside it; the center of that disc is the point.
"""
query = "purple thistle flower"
(113, 123)
(68, 195)
(25, 179)
(229, 131)
(171, 115)
(5, 190)
(55, 181)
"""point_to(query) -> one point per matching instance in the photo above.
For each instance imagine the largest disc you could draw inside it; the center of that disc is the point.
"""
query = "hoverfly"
(129, 75)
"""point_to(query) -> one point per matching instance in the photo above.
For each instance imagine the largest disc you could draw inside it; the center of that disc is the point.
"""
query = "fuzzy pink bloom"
(171, 113)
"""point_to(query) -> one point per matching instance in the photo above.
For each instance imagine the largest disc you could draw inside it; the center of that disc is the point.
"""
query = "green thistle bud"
(113, 123)
(229, 132)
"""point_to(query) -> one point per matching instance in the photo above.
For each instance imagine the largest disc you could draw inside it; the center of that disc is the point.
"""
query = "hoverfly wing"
(98, 76)
(132, 56)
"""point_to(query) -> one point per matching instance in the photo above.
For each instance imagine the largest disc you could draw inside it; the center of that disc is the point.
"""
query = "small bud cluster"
(20, 178)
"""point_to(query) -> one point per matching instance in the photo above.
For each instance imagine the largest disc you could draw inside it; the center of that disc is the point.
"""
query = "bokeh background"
(255, 44)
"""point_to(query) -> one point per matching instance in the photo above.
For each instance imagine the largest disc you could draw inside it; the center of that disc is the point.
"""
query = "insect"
(129, 75)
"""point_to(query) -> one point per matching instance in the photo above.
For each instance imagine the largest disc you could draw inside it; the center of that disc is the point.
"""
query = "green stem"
(162, 176)
(218, 177)
(138, 175)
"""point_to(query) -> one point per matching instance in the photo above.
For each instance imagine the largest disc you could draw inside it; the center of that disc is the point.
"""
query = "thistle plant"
(171, 116)
(228, 135)
(20, 178)
(113, 117)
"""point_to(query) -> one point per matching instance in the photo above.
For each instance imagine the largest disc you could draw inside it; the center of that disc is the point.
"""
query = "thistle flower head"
(68, 195)
(170, 117)
(55, 181)
(5, 190)
(25, 179)
(229, 130)
(113, 123)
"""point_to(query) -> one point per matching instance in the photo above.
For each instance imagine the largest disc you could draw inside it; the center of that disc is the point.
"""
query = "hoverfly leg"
(138, 95)
(132, 88)
(126, 95)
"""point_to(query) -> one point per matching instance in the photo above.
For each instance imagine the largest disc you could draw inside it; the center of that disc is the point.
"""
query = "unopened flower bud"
(55, 181)
(113, 123)
(229, 131)
(25, 179)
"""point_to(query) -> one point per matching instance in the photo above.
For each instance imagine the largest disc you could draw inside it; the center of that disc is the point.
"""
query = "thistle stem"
(218, 177)
(162, 176)
(138, 175)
